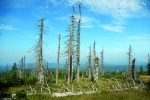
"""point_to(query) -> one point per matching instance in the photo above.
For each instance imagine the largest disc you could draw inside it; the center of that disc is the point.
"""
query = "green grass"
(132, 94)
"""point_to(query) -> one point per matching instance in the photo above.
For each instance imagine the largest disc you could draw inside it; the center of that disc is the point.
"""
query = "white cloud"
(86, 19)
(118, 28)
(62, 18)
(88, 22)
(139, 40)
(6, 27)
(87, 26)
(117, 8)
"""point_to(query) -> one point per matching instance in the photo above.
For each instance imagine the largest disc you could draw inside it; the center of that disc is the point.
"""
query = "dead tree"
(20, 70)
(133, 70)
(58, 54)
(71, 48)
(38, 52)
(24, 64)
(78, 44)
(96, 59)
(66, 68)
(129, 60)
(40, 46)
(102, 62)
(89, 63)
(94, 49)
(148, 59)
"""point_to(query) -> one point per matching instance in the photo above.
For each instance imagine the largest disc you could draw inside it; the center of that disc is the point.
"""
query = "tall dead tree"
(96, 60)
(148, 59)
(58, 54)
(129, 60)
(78, 43)
(21, 69)
(96, 63)
(133, 70)
(94, 49)
(38, 51)
(41, 75)
(24, 64)
(66, 68)
(102, 62)
(89, 63)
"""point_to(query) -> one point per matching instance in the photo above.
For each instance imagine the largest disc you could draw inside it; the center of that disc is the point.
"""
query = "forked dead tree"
(58, 54)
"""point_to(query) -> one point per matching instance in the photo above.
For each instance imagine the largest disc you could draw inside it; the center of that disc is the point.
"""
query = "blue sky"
(113, 24)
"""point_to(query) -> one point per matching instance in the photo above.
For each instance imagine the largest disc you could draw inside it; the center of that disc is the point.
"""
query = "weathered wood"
(133, 70)
(78, 44)
(40, 63)
(102, 62)
(89, 63)
(129, 61)
(58, 54)
(96, 63)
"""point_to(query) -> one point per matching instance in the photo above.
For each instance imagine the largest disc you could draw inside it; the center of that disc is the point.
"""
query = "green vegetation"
(21, 95)
(132, 94)
(11, 83)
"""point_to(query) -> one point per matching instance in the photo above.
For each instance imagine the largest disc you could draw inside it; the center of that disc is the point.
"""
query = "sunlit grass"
(132, 94)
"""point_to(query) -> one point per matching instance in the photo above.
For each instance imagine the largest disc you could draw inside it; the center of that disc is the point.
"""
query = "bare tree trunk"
(94, 49)
(68, 76)
(96, 59)
(102, 62)
(71, 49)
(78, 45)
(133, 71)
(129, 61)
(89, 62)
(24, 67)
(21, 68)
(41, 67)
(57, 67)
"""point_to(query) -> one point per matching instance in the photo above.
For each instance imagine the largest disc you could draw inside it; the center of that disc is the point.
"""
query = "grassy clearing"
(103, 85)
(132, 94)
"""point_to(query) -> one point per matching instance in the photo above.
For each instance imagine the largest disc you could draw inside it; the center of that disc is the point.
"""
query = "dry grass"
(145, 78)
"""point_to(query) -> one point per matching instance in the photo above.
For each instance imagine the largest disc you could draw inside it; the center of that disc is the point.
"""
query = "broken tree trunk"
(133, 71)
(89, 63)
(129, 61)
(96, 59)
(57, 67)
(102, 62)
